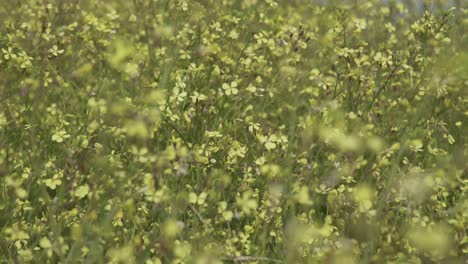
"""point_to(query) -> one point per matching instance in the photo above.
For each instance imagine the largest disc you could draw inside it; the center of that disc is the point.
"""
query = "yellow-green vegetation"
(220, 131)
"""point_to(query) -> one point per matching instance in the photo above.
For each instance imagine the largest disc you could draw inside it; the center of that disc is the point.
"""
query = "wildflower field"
(233, 131)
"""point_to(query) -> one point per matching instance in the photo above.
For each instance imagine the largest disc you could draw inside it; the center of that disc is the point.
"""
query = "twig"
(383, 87)
(198, 214)
(178, 133)
(250, 259)
(338, 76)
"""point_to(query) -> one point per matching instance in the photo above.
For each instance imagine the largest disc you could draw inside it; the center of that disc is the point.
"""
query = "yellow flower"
(230, 89)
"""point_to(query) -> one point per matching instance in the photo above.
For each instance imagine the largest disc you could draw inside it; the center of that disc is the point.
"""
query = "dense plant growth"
(217, 131)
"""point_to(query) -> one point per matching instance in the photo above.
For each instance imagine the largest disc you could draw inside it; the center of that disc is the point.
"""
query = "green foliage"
(218, 131)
